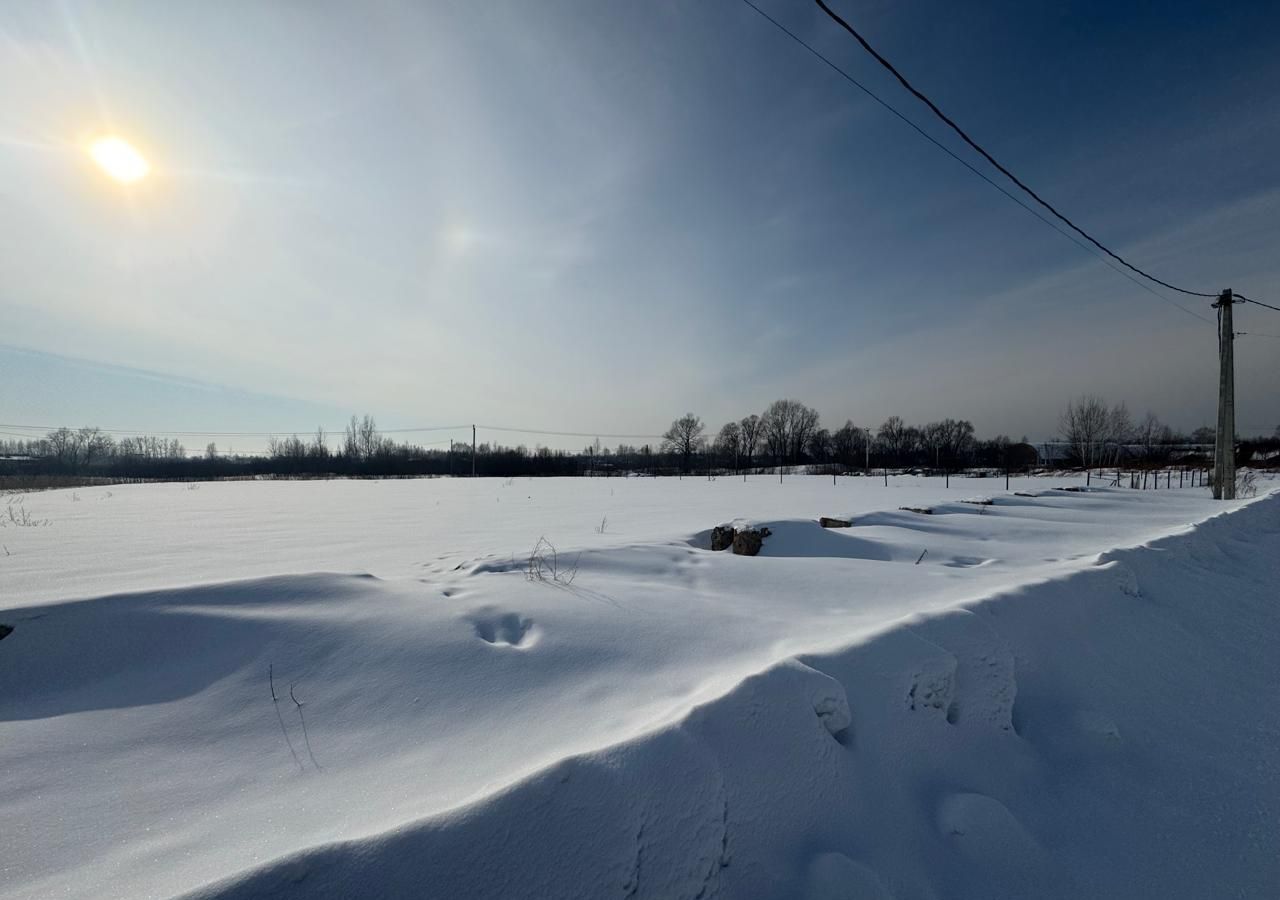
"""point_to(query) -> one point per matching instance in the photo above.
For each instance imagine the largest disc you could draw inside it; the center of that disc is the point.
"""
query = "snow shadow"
(130, 650)
(809, 539)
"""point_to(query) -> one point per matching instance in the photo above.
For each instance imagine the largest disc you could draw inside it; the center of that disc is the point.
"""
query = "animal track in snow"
(967, 562)
(504, 630)
(1097, 724)
(934, 685)
(834, 876)
(970, 676)
(984, 826)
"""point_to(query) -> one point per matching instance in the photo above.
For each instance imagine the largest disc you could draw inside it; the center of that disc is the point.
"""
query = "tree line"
(786, 433)
(789, 433)
(361, 450)
(1097, 434)
(73, 450)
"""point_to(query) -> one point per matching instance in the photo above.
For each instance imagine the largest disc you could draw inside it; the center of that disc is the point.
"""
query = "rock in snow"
(745, 539)
(748, 541)
(721, 537)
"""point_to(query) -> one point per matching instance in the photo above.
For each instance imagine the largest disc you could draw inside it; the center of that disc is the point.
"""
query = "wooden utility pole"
(1224, 444)
(473, 451)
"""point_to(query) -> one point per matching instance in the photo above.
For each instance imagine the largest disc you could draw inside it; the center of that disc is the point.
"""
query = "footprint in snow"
(834, 876)
(983, 826)
(506, 630)
(1097, 724)
(968, 562)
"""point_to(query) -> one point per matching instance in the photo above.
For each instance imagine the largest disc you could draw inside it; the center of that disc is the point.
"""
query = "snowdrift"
(1110, 733)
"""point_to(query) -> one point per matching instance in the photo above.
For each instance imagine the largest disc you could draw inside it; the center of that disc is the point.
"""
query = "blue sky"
(593, 217)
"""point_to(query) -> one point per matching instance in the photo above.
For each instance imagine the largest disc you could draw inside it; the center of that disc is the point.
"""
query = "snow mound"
(748, 796)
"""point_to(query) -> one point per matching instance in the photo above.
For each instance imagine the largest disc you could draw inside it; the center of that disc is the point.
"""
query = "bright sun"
(119, 159)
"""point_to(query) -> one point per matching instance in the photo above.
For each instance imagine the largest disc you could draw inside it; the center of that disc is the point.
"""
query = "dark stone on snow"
(722, 537)
(748, 541)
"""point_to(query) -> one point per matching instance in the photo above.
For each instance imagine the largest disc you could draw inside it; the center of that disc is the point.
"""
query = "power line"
(991, 159)
(284, 431)
(586, 434)
(1240, 296)
(964, 162)
(429, 428)
(160, 433)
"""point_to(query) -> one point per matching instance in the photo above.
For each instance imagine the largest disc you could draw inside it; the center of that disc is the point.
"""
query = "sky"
(594, 217)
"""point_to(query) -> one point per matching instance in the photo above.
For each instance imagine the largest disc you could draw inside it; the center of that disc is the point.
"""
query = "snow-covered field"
(1072, 694)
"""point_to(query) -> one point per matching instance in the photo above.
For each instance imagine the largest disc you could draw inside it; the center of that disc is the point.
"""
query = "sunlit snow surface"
(1025, 711)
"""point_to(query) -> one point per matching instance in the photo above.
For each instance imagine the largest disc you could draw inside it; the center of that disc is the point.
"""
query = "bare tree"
(1148, 434)
(775, 428)
(845, 443)
(362, 441)
(370, 443)
(211, 451)
(729, 442)
(94, 445)
(750, 433)
(1120, 431)
(351, 439)
(1086, 424)
(932, 438)
(804, 426)
(64, 446)
(291, 448)
(786, 427)
(821, 446)
(957, 440)
(319, 448)
(684, 437)
(894, 438)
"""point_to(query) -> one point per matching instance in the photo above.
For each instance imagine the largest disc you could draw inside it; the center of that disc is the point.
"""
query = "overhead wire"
(1240, 296)
(586, 434)
(191, 433)
(991, 159)
(964, 162)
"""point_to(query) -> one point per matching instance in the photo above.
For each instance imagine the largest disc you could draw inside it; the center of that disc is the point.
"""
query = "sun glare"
(119, 159)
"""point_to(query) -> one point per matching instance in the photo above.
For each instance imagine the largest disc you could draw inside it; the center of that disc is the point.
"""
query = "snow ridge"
(1054, 742)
